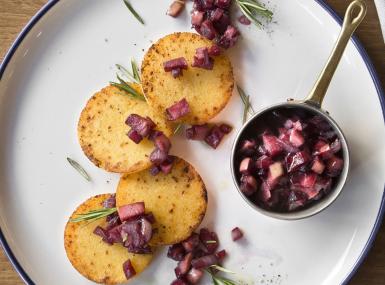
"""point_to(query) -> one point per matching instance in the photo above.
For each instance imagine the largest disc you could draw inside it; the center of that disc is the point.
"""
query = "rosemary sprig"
(123, 85)
(124, 71)
(217, 280)
(133, 77)
(248, 109)
(79, 168)
(133, 12)
(94, 215)
(252, 9)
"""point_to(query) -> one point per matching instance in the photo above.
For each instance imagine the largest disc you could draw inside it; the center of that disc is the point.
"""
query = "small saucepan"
(311, 105)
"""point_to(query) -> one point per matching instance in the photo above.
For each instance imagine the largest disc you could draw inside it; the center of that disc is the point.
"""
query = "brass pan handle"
(350, 24)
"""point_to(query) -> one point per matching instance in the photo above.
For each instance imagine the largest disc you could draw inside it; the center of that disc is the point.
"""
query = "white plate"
(68, 52)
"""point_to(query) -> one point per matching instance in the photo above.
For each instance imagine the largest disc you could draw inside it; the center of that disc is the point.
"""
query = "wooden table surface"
(14, 14)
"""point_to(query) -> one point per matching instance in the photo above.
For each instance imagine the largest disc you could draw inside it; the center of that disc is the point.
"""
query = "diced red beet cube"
(335, 146)
(225, 128)
(221, 255)
(134, 136)
(261, 150)
(207, 30)
(216, 14)
(296, 200)
(244, 20)
(197, 18)
(215, 137)
(208, 4)
(322, 149)
(194, 275)
(191, 243)
(128, 269)
(176, 8)
(284, 134)
(264, 193)
(175, 63)
(296, 138)
(287, 146)
(130, 211)
(308, 180)
(204, 261)
(184, 265)
(178, 110)
(248, 147)
(99, 231)
(249, 185)
(143, 126)
(158, 156)
(334, 166)
(214, 50)
(236, 234)
(222, 23)
(271, 144)
(197, 132)
(209, 239)
(202, 59)
(162, 142)
(166, 166)
(324, 184)
(112, 221)
(298, 125)
(264, 162)
(154, 170)
(296, 160)
(176, 252)
(310, 192)
(275, 172)
(318, 166)
(229, 38)
(246, 165)
(114, 235)
(288, 124)
(224, 4)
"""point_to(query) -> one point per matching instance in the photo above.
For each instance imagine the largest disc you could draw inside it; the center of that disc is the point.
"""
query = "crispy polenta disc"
(206, 91)
(178, 200)
(102, 131)
(93, 258)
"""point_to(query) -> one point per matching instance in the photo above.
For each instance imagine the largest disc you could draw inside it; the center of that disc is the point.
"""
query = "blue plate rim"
(3, 242)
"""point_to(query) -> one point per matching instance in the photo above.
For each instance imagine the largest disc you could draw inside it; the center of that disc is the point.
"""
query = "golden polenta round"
(102, 131)
(206, 91)
(93, 258)
(178, 200)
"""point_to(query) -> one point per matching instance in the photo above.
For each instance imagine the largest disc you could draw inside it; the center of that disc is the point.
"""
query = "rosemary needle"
(133, 12)
(135, 71)
(79, 168)
(252, 9)
(93, 215)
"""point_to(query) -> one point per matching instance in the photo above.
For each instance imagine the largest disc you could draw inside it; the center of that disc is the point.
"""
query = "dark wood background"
(14, 14)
